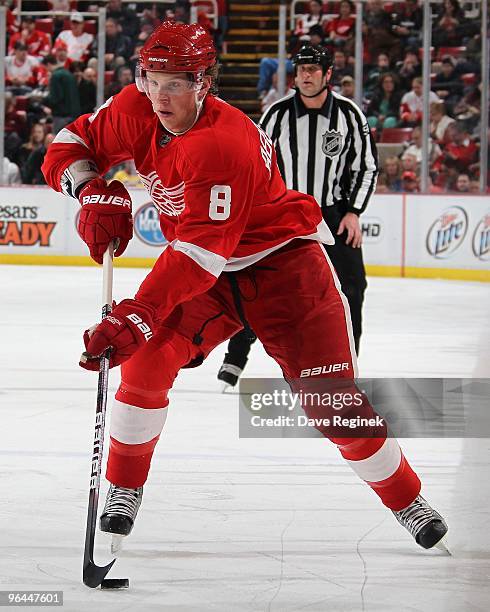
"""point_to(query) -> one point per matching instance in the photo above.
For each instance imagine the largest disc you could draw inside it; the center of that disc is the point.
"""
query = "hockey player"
(241, 245)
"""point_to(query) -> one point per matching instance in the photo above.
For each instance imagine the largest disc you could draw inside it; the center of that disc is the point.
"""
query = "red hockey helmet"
(178, 47)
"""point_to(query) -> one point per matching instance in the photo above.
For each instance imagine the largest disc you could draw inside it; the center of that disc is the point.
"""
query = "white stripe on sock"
(133, 425)
(380, 466)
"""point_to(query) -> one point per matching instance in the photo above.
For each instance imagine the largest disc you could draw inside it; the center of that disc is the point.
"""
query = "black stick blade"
(93, 575)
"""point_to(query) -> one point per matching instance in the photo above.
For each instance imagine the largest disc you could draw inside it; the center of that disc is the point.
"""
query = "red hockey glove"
(128, 327)
(105, 216)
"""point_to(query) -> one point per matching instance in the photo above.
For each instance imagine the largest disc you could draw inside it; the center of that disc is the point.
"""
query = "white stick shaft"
(107, 276)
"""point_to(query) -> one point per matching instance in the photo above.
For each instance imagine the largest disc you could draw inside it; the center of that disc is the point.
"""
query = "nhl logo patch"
(332, 143)
(164, 140)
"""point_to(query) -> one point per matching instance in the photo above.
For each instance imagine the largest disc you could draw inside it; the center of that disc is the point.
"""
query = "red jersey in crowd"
(38, 43)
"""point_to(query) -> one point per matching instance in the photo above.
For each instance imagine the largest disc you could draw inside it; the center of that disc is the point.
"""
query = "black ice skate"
(425, 524)
(229, 375)
(120, 510)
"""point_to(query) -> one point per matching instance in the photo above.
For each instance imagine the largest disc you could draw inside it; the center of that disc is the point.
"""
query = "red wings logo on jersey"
(168, 200)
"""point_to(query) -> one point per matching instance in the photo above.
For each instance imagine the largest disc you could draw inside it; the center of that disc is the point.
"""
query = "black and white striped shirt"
(328, 153)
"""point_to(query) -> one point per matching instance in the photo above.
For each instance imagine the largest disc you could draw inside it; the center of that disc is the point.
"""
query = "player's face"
(310, 79)
(175, 98)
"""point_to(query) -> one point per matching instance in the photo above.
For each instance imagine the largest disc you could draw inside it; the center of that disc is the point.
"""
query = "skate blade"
(442, 545)
(224, 387)
(117, 544)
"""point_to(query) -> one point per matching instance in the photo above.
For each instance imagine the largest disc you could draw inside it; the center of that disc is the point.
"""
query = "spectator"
(60, 51)
(11, 173)
(31, 172)
(373, 76)
(36, 140)
(347, 87)
(125, 16)
(412, 103)
(12, 27)
(410, 182)
(123, 76)
(87, 91)
(304, 23)
(340, 31)
(134, 59)
(20, 70)
(267, 68)
(145, 31)
(378, 33)
(447, 84)
(408, 23)
(408, 69)
(63, 98)
(468, 108)
(381, 185)
(317, 35)
(409, 164)
(204, 20)
(77, 41)
(273, 94)
(392, 173)
(38, 43)
(449, 24)
(15, 127)
(384, 106)
(463, 184)
(415, 147)
(439, 122)
(59, 6)
(118, 47)
(340, 68)
(460, 152)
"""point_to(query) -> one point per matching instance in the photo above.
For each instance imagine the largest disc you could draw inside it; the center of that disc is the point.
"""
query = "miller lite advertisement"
(449, 232)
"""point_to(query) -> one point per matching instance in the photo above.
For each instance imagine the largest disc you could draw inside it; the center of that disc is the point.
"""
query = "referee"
(324, 148)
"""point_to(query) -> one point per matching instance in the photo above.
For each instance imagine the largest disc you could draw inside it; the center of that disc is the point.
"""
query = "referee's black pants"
(349, 265)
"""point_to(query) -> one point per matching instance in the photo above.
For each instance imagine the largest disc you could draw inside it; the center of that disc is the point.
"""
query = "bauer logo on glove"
(104, 199)
(129, 326)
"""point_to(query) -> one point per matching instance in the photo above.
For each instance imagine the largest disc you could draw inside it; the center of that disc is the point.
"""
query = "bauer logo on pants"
(481, 238)
(447, 232)
(332, 143)
(147, 225)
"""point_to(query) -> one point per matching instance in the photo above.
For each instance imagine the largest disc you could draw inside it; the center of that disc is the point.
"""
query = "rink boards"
(427, 236)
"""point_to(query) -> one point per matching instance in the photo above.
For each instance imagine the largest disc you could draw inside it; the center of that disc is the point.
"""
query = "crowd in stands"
(392, 97)
(51, 77)
(51, 68)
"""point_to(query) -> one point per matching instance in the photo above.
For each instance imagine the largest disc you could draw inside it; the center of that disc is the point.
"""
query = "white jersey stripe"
(322, 234)
(65, 136)
(209, 261)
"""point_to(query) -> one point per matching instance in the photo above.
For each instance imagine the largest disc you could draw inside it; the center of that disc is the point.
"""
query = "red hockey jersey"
(223, 204)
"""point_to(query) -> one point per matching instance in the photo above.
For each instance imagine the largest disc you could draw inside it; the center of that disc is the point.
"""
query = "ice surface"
(229, 524)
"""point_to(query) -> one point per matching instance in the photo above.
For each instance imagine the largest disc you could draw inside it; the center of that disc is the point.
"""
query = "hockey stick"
(93, 575)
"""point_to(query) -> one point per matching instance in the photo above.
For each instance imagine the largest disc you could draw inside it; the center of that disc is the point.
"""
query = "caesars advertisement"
(402, 234)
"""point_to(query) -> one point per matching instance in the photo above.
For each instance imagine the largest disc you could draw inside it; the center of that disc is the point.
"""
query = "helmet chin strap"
(314, 95)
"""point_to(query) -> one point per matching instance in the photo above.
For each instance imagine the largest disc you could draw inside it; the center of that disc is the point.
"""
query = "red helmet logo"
(178, 47)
